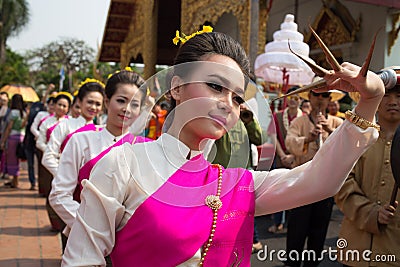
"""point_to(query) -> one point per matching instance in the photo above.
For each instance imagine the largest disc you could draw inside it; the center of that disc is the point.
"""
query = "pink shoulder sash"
(171, 225)
(51, 129)
(44, 118)
(86, 127)
(84, 172)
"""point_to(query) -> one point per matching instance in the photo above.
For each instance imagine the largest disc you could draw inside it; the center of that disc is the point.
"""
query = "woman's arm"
(66, 180)
(46, 94)
(323, 176)
(6, 133)
(35, 124)
(93, 233)
(51, 155)
(41, 140)
(317, 179)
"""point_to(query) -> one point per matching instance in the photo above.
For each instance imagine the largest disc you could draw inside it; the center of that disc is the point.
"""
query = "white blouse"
(123, 179)
(35, 124)
(81, 148)
(41, 141)
(51, 154)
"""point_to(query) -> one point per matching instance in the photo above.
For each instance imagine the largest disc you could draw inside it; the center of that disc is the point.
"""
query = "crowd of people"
(144, 178)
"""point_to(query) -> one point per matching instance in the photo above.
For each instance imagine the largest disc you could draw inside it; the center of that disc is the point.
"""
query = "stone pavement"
(26, 239)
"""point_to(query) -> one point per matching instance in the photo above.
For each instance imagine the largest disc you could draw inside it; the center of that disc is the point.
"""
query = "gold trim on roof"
(334, 24)
(197, 12)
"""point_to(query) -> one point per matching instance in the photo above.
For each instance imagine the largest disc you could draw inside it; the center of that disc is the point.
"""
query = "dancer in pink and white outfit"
(162, 204)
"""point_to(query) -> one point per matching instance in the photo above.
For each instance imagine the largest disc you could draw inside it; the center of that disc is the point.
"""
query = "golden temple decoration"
(336, 27)
(198, 12)
(133, 44)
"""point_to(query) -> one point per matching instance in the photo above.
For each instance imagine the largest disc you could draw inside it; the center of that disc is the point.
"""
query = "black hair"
(212, 43)
(62, 96)
(51, 99)
(124, 77)
(90, 87)
(17, 102)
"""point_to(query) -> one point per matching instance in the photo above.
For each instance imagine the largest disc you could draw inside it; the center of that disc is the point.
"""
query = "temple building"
(142, 31)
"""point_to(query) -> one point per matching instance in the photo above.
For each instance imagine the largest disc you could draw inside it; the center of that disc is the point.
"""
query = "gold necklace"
(214, 203)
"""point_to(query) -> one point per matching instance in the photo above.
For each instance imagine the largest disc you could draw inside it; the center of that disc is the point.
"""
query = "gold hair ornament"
(90, 80)
(183, 38)
(66, 94)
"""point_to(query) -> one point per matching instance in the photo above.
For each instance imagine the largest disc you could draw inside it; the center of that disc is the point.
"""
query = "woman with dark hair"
(39, 119)
(75, 109)
(62, 103)
(14, 133)
(90, 99)
(124, 98)
(162, 204)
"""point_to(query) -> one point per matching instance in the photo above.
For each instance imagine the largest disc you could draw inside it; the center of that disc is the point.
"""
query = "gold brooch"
(213, 202)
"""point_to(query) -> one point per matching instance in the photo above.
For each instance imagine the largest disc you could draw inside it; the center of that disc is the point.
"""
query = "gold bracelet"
(360, 122)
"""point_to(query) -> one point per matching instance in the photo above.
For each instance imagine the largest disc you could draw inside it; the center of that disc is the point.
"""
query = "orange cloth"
(156, 124)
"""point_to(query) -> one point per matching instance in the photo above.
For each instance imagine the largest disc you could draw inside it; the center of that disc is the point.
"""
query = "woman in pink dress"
(162, 204)
(90, 99)
(123, 101)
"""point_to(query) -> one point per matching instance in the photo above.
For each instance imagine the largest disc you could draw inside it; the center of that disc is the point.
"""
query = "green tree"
(14, 70)
(75, 55)
(14, 16)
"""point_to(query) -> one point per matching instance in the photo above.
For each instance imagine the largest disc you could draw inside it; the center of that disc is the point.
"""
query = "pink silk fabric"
(170, 226)
(51, 129)
(84, 172)
(87, 127)
(43, 119)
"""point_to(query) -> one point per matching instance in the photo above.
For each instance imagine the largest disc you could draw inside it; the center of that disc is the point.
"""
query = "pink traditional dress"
(189, 225)
(52, 153)
(40, 117)
(51, 128)
(85, 128)
(84, 172)
(81, 153)
(46, 130)
(145, 204)
(44, 118)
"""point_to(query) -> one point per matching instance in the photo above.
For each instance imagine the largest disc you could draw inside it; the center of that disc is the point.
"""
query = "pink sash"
(43, 119)
(170, 226)
(86, 127)
(84, 172)
(51, 129)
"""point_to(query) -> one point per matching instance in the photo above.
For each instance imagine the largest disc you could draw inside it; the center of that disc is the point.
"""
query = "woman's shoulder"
(71, 123)
(89, 137)
(118, 160)
(15, 113)
(49, 121)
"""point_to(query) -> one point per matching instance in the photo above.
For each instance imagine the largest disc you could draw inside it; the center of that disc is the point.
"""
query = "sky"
(53, 20)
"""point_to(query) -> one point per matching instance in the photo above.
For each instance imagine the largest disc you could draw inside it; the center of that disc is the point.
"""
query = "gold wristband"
(360, 122)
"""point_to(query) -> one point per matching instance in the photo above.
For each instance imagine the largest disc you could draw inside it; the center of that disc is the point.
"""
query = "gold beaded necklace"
(214, 203)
